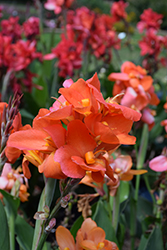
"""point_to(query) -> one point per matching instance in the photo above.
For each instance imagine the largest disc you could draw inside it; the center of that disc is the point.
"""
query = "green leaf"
(76, 226)
(24, 233)
(124, 191)
(41, 96)
(4, 238)
(121, 234)
(12, 203)
(102, 219)
(25, 113)
(154, 241)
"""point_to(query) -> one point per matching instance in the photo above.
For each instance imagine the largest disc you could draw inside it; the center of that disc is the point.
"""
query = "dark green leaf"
(12, 203)
(76, 226)
(4, 238)
(124, 191)
(24, 233)
(154, 241)
(102, 219)
(41, 96)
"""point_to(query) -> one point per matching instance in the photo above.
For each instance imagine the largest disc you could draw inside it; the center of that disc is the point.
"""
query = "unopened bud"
(46, 209)
(40, 215)
(51, 225)
(65, 200)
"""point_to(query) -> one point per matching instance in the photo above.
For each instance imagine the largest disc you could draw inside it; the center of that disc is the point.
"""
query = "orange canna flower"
(137, 87)
(89, 237)
(78, 155)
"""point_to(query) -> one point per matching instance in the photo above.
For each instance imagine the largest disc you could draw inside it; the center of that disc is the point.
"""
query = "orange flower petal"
(51, 169)
(64, 238)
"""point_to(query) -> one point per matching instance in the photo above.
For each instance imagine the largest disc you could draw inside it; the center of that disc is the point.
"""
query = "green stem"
(5, 85)
(116, 207)
(141, 156)
(45, 199)
(140, 161)
(133, 208)
(68, 188)
(109, 205)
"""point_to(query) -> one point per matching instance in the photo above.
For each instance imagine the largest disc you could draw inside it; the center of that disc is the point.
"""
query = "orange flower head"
(89, 236)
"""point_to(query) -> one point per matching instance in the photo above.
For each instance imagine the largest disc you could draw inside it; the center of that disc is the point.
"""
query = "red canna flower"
(118, 10)
(11, 28)
(149, 20)
(31, 27)
(69, 54)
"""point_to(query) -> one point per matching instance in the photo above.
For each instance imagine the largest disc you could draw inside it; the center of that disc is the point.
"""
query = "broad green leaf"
(41, 96)
(4, 238)
(124, 191)
(121, 234)
(144, 208)
(101, 217)
(76, 226)
(12, 203)
(154, 241)
(11, 206)
(24, 233)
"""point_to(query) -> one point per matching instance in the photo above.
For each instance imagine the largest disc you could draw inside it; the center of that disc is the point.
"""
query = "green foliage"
(96, 5)
(4, 239)
(154, 241)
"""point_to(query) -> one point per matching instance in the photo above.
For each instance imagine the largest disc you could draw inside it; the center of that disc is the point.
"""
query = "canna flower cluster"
(137, 90)
(89, 236)
(75, 135)
(16, 53)
(121, 166)
(86, 32)
(152, 44)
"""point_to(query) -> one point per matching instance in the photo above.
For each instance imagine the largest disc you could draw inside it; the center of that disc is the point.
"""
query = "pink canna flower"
(8, 179)
(159, 163)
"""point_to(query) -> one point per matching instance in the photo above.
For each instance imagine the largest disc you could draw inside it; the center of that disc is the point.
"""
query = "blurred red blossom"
(118, 10)
(31, 27)
(10, 27)
(149, 20)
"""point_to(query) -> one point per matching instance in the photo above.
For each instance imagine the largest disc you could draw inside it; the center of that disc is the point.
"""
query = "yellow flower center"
(85, 102)
(66, 248)
(117, 171)
(10, 175)
(100, 245)
(89, 157)
(34, 158)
